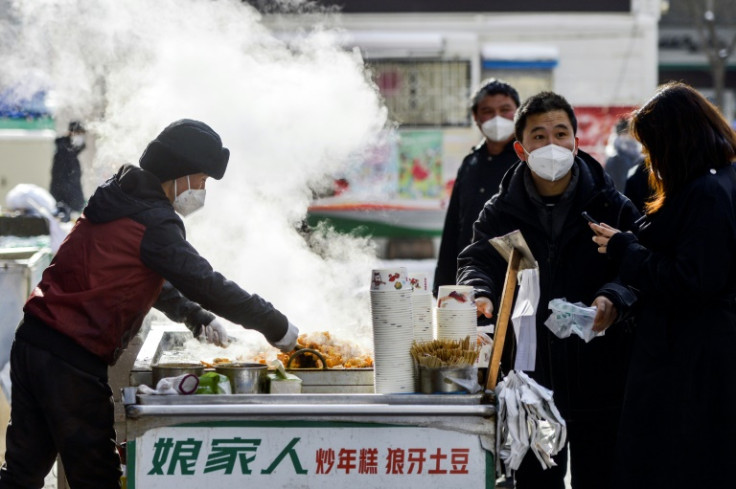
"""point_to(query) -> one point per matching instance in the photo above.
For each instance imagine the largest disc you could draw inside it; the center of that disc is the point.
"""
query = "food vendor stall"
(332, 438)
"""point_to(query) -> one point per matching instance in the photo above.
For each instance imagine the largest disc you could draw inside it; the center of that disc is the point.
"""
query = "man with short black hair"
(493, 107)
(543, 198)
(127, 253)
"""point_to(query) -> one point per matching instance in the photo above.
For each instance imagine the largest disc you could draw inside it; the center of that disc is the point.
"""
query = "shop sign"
(324, 455)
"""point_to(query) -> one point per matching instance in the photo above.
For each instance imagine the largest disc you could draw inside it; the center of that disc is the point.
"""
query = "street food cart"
(332, 439)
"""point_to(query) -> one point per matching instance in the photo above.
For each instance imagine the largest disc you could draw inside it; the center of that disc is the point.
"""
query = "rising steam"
(291, 114)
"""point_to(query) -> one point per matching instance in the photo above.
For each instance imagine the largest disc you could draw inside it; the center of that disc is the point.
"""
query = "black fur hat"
(185, 147)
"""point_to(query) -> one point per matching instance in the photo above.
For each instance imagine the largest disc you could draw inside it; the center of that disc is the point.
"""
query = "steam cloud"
(291, 114)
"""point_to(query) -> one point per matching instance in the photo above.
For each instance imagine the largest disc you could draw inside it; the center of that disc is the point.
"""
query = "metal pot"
(245, 378)
(439, 380)
(163, 370)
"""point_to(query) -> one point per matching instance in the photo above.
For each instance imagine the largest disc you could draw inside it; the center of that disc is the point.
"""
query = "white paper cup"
(419, 282)
(455, 324)
(388, 279)
(455, 297)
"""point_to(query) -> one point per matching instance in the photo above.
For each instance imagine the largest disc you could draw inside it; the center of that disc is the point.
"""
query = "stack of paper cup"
(393, 331)
(456, 317)
(422, 304)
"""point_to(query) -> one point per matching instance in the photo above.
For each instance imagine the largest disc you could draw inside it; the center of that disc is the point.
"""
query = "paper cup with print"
(388, 279)
(419, 282)
(455, 297)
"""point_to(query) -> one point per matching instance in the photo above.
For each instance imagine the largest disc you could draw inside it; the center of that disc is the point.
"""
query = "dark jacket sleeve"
(479, 264)
(181, 310)
(446, 270)
(165, 250)
(699, 261)
(621, 295)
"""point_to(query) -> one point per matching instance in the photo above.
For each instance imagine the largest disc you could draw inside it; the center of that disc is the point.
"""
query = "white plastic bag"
(567, 319)
(524, 319)
(181, 385)
(527, 419)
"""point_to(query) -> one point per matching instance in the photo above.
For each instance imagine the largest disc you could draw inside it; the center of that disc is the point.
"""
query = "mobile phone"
(588, 218)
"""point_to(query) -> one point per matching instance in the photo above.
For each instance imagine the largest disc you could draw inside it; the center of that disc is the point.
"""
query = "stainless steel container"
(331, 380)
(163, 370)
(439, 380)
(245, 378)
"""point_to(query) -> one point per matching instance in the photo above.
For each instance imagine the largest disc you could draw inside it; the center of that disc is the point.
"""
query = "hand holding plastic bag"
(567, 319)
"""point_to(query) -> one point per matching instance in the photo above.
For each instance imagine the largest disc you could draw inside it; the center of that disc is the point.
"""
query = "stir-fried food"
(337, 353)
(215, 362)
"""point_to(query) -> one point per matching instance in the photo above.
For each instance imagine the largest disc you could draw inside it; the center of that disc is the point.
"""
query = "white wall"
(604, 59)
(25, 157)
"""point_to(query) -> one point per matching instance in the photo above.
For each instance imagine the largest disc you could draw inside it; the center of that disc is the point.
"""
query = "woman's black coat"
(678, 427)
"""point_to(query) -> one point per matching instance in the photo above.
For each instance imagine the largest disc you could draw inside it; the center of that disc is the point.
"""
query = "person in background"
(493, 107)
(66, 172)
(637, 186)
(544, 198)
(127, 252)
(625, 153)
(677, 426)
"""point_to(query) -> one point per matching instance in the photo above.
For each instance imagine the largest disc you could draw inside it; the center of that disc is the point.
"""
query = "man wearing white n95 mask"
(544, 198)
(492, 107)
(127, 253)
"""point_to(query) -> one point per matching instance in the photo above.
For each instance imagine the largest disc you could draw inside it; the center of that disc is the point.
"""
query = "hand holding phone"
(588, 218)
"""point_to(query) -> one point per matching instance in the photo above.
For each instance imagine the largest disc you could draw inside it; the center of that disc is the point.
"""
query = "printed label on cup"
(455, 297)
(419, 282)
(388, 279)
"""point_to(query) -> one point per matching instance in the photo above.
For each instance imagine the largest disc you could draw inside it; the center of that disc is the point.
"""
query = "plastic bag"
(567, 319)
(524, 319)
(214, 383)
(181, 385)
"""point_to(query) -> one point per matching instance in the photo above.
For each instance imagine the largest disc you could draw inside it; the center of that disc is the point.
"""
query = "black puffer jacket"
(585, 377)
(110, 270)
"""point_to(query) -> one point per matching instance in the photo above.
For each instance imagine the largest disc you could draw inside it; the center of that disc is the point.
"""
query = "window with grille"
(426, 92)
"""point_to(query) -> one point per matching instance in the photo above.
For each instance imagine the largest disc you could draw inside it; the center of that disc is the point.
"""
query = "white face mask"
(189, 200)
(77, 140)
(497, 129)
(550, 162)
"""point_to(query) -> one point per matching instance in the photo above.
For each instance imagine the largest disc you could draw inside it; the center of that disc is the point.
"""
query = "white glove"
(288, 342)
(215, 333)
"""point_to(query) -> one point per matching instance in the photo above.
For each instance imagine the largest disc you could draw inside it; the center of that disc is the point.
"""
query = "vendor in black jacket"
(543, 198)
(127, 252)
(493, 108)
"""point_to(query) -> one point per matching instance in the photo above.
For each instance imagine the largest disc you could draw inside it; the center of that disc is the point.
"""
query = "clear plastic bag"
(568, 318)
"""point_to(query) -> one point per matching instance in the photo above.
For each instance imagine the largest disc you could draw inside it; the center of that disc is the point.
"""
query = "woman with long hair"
(678, 425)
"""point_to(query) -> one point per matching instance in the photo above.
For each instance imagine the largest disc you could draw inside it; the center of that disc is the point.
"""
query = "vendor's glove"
(288, 342)
(215, 333)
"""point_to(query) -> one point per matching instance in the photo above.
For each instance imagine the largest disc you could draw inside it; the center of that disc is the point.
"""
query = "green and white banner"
(306, 455)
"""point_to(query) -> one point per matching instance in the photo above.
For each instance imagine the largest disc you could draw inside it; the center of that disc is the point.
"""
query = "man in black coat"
(637, 186)
(544, 198)
(66, 172)
(480, 173)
